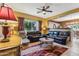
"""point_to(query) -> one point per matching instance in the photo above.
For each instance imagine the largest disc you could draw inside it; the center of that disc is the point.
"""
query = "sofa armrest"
(68, 39)
(25, 41)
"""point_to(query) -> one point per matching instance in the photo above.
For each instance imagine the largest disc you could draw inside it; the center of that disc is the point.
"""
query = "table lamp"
(6, 15)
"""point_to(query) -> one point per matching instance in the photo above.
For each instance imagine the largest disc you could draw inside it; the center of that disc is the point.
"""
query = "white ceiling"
(73, 16)
(30, 8)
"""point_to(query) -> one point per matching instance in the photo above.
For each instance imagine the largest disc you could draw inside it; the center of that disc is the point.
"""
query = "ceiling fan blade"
(49, 11)
(47, 7)
(39, 11)
(43, 7)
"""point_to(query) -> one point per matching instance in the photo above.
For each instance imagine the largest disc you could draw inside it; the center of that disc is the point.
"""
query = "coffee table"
(48, 41)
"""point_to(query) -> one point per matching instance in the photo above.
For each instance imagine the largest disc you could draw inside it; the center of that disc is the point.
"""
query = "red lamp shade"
(6, 13)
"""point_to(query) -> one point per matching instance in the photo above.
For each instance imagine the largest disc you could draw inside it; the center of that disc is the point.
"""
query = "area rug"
(56, 51)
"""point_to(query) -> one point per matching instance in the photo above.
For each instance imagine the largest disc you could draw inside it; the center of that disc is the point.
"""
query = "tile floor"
(74, 48)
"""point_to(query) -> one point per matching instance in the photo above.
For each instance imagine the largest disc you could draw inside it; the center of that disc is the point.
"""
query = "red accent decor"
(56, 51)
(6, 13)
(5, 31)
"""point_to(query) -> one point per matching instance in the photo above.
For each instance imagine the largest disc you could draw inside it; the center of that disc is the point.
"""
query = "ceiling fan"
(44, 10)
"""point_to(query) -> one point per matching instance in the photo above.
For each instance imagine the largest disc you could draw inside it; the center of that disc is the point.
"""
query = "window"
(31, 25)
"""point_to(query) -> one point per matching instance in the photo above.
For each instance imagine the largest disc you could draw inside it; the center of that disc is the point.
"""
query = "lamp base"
(4, 40)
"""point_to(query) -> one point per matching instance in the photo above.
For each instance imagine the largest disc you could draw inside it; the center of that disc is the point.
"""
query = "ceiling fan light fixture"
(44, 10)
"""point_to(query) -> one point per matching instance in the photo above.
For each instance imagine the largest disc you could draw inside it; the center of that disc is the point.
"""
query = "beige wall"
(70, 22)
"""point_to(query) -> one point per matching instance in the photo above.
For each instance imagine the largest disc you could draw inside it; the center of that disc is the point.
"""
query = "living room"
(39, 29)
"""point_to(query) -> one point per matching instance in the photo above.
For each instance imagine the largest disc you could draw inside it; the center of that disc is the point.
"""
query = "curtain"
(40, 28)
(21, 23)
(21, 26)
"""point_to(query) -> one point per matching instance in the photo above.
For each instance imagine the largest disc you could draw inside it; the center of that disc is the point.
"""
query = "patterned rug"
(56, 51)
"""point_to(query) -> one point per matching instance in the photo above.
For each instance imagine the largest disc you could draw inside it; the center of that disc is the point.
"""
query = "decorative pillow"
(55, 33)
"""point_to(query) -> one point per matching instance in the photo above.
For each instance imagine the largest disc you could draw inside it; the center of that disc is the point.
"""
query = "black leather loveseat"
(60, 36)
(33, 36)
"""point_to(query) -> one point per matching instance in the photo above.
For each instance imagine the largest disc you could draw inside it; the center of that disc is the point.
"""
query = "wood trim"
(53, 21)
(71, 20)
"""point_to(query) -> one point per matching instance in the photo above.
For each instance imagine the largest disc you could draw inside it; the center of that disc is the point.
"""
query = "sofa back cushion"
(62, 33)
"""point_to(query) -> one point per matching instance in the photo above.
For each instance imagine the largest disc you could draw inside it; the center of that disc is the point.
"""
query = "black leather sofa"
(33, 36)
(59, 36)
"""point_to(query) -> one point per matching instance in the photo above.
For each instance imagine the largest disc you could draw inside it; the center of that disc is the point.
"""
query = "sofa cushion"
(25, 41)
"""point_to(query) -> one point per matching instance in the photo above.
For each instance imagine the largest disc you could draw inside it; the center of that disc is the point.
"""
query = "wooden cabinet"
(14, 51)
(11, 48)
